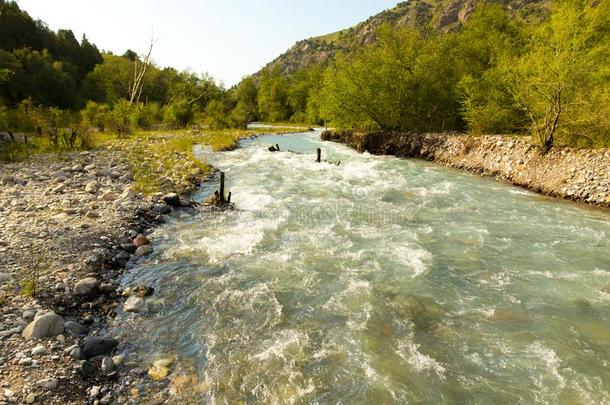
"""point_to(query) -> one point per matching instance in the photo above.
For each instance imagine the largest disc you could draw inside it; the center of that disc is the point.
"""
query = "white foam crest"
(409, 351)
(551, 360)
(237, 239)
(416, 259)
(285, 345)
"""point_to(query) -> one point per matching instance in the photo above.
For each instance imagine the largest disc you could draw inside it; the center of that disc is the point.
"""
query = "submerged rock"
(160, 368)
(144, 291)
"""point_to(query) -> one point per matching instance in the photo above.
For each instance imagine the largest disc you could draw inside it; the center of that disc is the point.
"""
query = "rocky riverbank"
(574, 174)
(70, 224)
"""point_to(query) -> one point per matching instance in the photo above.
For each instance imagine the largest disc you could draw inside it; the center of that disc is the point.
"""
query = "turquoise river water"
(376, 281)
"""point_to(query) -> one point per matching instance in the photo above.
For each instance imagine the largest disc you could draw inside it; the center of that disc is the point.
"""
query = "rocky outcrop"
(569, 173)
(444, 15)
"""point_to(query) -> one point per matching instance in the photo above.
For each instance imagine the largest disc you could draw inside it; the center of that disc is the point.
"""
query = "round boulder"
(45, 324)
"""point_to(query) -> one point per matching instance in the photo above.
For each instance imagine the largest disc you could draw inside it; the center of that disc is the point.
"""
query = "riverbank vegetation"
(547, 77)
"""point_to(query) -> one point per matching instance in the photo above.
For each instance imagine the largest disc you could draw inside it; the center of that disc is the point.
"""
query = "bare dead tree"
(139, 70)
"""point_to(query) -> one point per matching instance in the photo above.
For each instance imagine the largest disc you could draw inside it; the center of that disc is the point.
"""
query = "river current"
(377, 281)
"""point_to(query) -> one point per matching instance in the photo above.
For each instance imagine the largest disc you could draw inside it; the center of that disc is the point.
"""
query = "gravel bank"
(70, 224)
(569, 173)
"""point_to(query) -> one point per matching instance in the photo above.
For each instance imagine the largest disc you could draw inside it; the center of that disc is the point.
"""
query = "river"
(375, 281)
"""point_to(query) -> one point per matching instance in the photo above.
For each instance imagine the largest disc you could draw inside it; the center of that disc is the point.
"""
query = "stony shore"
(574, 174)
(70, 224)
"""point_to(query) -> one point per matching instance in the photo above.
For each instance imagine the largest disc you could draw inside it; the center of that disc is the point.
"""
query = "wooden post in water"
(222, 187)
(318, 155)
(277, 147)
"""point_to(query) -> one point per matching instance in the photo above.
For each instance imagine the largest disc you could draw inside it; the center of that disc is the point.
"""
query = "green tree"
(552, 79)
(273, 96)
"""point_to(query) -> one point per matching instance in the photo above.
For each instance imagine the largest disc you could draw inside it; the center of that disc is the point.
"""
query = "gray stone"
(4, 277)
(76, 328)
(144, 250)
(107, 365)
(39, 350)
(133, 304)
(87, 286)
(28, 314)
(172, 199)
(46, 324)
(98, 345)
(92, 187)
(48, 383)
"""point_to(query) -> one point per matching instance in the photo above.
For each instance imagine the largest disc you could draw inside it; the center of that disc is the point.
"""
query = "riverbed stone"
(134, 304)
(76, 328)
(47, 324)
(92, 187)
(48, 383)
(144, 250)
(87, 287)
(141, 240)
(39, 350)
(98, 346)
(172, 199)
(143, 291)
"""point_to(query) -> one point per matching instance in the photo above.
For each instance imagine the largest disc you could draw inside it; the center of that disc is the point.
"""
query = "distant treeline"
(549, 79)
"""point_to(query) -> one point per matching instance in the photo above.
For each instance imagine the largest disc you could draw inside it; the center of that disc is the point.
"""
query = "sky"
(226, 38)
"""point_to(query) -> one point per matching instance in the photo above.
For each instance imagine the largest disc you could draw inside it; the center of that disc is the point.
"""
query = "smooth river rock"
(87, 286)
(98, 346)
(45, 324)
(133, 304)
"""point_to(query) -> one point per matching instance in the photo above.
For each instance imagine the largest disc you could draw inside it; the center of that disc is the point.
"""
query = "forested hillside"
(518, 67)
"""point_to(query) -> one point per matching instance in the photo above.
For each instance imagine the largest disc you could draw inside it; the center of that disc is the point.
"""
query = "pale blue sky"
(229, 39)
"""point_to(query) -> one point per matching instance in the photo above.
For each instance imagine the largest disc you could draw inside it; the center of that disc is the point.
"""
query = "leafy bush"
(179, 113)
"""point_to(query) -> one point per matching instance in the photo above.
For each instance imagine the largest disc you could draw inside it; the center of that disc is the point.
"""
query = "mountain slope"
(446, 15)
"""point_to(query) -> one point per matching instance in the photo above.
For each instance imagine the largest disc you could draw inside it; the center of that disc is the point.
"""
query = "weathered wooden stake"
(319, 155)
(277, 147)
(222, 187)
(229, 198)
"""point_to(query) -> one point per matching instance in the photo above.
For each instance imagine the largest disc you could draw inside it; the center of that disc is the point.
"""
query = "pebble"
(144, 250)
(31, 398)
(92, 187)
(48, 383)
(39, 350)
(133, 304)
(107, 365)
(86, 287)
(141, 240)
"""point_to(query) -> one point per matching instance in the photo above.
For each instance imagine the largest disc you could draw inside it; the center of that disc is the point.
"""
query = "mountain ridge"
(445, 15)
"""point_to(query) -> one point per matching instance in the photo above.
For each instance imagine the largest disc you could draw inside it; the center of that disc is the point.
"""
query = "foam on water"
(379, 280)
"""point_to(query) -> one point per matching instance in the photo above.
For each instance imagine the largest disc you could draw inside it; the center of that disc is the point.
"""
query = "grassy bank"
(159, 159)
